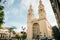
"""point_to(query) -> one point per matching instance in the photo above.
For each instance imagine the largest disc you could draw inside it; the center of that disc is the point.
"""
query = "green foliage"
(1, 16)
(1, 13)
(0, 0)
(1, 8)
(56, 33)
(24, 36)
(18, 36)
(21, 36)
(0, 27)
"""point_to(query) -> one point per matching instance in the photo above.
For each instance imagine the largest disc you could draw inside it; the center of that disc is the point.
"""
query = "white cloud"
(10, 2)
(14, 11)
(26, 3)
(6, 15)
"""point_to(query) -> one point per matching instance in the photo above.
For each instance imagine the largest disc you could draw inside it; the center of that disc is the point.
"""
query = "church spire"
(41, 10)
(30, 13)
(41, 6)
(30, 9)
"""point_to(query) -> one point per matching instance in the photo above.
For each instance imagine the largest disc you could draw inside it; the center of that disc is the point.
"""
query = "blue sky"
(16, 12)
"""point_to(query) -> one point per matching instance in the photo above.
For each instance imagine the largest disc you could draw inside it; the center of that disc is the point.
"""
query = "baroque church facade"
(38, 27)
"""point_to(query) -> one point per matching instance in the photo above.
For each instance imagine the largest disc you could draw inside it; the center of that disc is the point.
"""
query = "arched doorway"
(36, 30)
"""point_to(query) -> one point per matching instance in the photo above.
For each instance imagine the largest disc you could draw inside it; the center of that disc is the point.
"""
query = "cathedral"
(38, 27)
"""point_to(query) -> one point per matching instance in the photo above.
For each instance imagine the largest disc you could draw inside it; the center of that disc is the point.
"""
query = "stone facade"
(38, 27)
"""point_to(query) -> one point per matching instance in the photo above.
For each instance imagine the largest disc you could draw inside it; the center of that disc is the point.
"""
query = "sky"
(16, 12)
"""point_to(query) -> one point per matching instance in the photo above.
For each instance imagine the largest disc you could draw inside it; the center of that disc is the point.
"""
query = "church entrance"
(36, 31)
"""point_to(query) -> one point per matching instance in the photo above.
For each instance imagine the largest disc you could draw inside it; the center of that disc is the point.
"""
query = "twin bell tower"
(37, 27)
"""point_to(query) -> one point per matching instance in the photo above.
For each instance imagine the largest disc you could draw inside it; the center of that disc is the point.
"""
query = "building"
(4, 33)
(38, 28)
(56, 8)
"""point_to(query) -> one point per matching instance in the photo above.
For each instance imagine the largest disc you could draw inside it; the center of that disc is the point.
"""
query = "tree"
(3, 1)
(24, 36)
(1, 15)
(0, 0)
(56, 33)
(18, 36)
(14, 32)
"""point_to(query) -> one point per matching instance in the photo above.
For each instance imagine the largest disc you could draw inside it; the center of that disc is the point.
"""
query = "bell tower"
(41, 11)
(30, 14)
(37, 28)
(30, 18)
